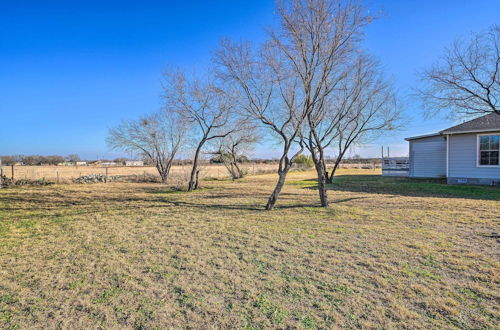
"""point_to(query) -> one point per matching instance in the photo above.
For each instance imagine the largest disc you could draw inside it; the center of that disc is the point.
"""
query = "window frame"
(478, 149)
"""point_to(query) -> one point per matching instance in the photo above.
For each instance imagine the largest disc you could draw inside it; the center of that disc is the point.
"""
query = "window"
(489, 149)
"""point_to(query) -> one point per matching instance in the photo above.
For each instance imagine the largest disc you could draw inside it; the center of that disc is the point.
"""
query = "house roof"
(422, 136)
(487, 123)
(490, 122)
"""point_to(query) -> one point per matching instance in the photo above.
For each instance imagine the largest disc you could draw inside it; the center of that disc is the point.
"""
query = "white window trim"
(478, 151)
(448, 154)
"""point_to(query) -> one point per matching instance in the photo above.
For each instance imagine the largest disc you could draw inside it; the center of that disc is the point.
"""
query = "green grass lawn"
(388, 253)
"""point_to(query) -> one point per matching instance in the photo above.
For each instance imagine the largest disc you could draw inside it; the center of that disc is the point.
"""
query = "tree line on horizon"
(38, 159)
(310, 87)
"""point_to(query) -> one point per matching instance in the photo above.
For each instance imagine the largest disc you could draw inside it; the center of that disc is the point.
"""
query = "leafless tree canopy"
(290, 79)
(157, 137)
(318, 40)
(204, 106)
(364, 107)
(236, 146)
(258, 84)
(467, 78)
(308, 84)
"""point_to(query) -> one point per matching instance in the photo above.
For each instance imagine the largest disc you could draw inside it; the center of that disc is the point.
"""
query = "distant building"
(134, 163)
(73, 164)
(108, 164)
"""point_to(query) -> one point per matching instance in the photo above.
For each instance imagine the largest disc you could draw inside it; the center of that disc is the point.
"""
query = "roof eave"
(422, 136)
(448, 132)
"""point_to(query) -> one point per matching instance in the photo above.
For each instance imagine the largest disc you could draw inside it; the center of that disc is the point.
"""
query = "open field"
(388, 253)
(67, 173)
(179, 173)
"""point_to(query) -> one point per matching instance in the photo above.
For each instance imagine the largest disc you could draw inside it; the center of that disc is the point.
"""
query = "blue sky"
(70, 70)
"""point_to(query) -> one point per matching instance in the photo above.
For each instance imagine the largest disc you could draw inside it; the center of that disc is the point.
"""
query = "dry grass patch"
(145, 256)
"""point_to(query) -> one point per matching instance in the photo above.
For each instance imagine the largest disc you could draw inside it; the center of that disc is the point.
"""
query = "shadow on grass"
(378, 184)
(217, 206)
(213, 201)
(209, 201)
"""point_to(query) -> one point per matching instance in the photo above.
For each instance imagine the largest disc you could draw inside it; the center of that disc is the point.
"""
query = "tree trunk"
(163, 173)
(328, 177)
(276, 192)
(197, 180)
(193, 179)
(335, 167)
(323, 196)
(239, 171)
(320, 166)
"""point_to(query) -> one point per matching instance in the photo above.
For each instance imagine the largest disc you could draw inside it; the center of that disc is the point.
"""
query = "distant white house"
(73, 164)
(134, 163)
(464, 154)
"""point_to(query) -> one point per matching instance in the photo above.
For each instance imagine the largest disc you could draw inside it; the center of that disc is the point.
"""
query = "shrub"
(7, 182)
(95, 178)
(303, 161)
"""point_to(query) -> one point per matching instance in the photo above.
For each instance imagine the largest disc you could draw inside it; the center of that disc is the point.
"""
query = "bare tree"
(205, 107)
(8, 160)
(365, 106)
(318, 38)
(73, 158)
(295, 71)
(54, 159)
(235, 147)
(467, 78)
(265, 92)
(157, 137)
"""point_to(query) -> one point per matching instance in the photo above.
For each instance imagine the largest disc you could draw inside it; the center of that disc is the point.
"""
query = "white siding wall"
(463, 159)
(428, 157)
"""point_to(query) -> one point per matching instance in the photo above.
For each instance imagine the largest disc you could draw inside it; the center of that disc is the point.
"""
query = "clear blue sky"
(69, 70)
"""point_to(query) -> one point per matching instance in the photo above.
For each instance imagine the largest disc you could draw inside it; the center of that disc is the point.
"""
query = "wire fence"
(66, 174)
(62, 174)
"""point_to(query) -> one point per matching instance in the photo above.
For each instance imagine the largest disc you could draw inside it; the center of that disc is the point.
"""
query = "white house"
(134, 163)
(467, 153)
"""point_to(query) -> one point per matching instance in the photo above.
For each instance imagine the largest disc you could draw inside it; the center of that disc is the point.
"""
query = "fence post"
(106, 178)
(12, 174)
(57, 174)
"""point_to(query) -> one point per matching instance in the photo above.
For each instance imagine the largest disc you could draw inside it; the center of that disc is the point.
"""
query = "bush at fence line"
(264, 171)
(140, 178)
(95, 178)
(8, 182)
(304, 162)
